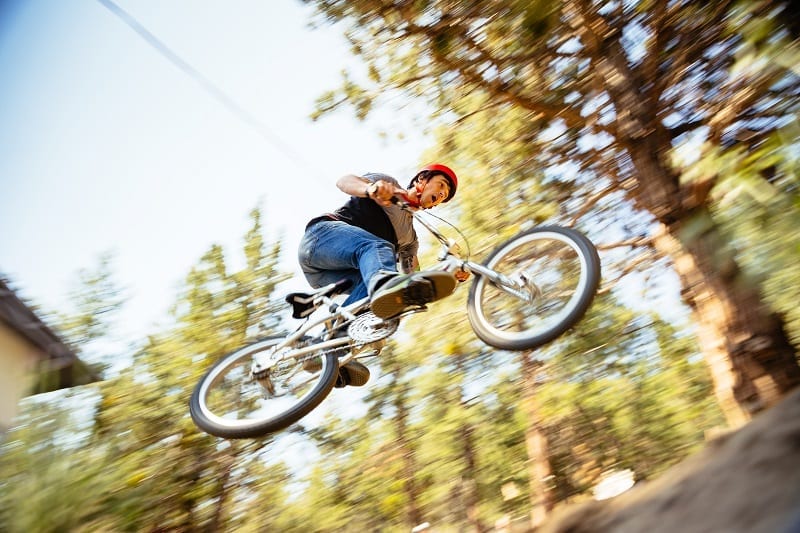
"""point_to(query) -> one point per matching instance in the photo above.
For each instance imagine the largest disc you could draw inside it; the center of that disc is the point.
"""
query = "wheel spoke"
(230, 401)
(557, 270)
(552, 273)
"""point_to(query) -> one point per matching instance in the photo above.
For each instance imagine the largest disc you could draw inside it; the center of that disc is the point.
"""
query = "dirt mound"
(745, 481)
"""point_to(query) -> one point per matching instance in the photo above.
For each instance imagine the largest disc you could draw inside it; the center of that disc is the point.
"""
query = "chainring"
(368, 327)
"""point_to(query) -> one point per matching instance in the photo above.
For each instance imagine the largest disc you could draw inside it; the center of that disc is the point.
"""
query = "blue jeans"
(333, 250)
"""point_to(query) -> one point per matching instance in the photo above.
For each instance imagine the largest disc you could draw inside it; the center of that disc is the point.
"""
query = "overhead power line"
(218, 94)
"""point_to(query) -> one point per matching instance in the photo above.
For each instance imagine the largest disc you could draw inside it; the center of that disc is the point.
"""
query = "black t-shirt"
(390, 223)
(369, 216)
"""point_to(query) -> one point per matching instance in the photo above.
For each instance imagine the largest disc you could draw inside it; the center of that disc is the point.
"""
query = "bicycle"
(528, 292)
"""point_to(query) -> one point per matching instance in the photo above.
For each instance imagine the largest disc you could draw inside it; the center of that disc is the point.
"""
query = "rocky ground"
(745, 481)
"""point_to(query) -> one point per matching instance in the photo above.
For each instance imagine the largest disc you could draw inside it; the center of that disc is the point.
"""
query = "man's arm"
(380, 191)
(354, 185)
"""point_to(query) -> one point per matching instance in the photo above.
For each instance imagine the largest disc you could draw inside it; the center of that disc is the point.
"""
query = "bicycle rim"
(231, 402)
(562, 271)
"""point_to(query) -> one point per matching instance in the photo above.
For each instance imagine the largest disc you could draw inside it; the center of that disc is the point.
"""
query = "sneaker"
(353, 373)
(403, 293)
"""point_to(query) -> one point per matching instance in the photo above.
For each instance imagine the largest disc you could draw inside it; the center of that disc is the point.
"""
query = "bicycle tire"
(222, 420)
(511, 324)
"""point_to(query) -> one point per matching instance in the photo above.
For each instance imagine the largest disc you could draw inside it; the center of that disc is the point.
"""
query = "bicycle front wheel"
(548, 278)
(237, 399)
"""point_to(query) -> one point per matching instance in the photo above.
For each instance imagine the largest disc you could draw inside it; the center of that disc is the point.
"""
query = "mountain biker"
(366, 238)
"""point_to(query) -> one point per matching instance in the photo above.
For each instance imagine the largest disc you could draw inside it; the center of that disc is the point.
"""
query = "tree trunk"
(751, 360)
(409, 458)
(227, 462)
(540, 472)
(468, 479)
(469, 476)
(748, 353)
(752, 363)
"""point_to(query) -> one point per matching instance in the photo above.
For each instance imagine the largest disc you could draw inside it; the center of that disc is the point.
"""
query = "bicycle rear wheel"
(236, 400)
(551, 275)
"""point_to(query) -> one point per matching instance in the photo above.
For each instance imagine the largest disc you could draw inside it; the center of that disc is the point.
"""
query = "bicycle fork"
(523, 287)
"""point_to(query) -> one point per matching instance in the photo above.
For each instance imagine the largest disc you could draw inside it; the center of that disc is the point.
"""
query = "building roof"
(60, 367)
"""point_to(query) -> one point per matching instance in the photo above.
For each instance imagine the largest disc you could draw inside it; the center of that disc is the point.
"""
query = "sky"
(107, 146)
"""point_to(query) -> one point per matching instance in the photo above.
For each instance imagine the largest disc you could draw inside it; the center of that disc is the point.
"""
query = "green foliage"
(169, 463)
(96, 298)
(50, 482)
(641, 401)
(141, 464)
(523, 113)
(759, 208)
(444, 439)
(359, 477)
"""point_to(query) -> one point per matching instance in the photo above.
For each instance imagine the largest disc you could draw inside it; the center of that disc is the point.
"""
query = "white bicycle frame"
(449, 260)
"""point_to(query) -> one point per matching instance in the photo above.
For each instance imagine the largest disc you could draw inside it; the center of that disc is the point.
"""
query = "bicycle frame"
(276, 354)
(297, 371)
(448, 259)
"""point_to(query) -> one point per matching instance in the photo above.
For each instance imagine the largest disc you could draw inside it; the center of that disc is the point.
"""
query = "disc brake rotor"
(370, 328)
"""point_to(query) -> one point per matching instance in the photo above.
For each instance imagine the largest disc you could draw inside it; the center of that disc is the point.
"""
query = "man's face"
(434, 191)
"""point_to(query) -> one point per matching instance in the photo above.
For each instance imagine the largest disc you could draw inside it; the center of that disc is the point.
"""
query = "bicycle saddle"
(305, 303)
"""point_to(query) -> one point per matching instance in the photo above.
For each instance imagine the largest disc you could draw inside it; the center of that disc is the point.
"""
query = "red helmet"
(449, 175)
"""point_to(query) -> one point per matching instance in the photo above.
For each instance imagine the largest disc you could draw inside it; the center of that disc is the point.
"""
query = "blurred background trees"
(664, 106)
(124, 456)
(665, 131)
